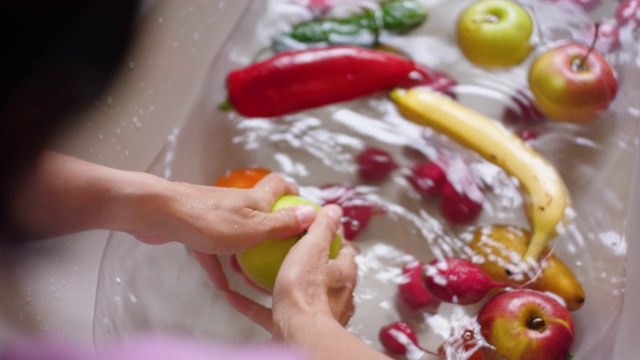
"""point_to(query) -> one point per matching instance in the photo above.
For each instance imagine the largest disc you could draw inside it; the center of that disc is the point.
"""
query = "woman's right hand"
(309, 283)
(313, 296)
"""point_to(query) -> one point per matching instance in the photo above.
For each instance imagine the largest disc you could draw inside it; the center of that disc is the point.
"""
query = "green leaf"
(225, 106)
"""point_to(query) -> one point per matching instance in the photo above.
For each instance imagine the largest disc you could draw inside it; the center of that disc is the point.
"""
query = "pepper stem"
(225, 105)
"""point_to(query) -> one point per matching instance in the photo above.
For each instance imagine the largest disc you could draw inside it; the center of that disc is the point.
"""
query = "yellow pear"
(496, 247)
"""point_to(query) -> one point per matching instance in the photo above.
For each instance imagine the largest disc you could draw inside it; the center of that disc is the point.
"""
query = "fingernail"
(334, 211)
(305, 214)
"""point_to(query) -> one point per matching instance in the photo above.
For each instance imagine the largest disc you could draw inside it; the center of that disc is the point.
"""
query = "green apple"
(495, 33)
(572, 83)
(261, 263)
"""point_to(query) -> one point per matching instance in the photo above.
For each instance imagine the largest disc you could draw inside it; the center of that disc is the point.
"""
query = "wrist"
(136, 202)
(295, 329)
(322, 337)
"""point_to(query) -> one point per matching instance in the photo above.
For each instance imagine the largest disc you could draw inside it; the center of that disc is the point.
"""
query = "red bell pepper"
(303, 79)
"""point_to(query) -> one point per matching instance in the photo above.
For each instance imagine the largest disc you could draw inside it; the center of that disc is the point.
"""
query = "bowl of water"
(146, 288)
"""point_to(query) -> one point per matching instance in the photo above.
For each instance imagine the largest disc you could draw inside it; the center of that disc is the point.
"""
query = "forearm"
(65, 195)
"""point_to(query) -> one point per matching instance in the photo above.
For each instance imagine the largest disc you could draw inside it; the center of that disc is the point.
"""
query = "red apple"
(628, 12)
(572, 83)
(527, 325)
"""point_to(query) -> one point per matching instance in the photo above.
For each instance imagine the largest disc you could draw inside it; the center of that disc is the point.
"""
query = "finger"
(342, 271)
(286, 222)
(317, 241)
(344, 314)
(255, 312)
(345, 261)
(211, 265)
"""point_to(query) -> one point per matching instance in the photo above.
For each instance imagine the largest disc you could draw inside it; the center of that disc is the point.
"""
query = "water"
(318, 147)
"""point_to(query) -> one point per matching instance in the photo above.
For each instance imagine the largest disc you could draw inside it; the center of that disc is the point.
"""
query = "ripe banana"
(548, 198)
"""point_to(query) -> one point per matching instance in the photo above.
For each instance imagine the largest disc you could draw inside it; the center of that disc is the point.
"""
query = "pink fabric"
(151, 348)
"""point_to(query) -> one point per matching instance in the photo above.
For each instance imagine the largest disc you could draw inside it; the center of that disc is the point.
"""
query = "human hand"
(309, 283)
(216, 220)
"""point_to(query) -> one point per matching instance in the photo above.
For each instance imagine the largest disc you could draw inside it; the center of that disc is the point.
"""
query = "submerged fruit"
(547, 197)
(572, 83)
(355, 219)
(242, 178)
(458, 281)
(357, 210)
(500, 246)
(375, 164)
(261, 263)
(412, 291)
(527, 325)
(522, 109)
(495, 33)
(460, 206)
(398, 338)
(427, 178)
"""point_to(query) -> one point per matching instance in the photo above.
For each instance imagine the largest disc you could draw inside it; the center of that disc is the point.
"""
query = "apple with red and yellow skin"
(261, 263)
(572, 83)
(495, 33)
(527, 324)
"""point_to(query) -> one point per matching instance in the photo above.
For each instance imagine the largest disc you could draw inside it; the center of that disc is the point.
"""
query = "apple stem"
(582, 63)
(535, 323)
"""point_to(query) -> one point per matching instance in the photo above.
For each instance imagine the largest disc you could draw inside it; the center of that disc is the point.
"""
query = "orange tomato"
(242, 178)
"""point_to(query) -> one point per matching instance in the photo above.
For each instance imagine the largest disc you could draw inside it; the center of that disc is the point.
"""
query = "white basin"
(163, 118)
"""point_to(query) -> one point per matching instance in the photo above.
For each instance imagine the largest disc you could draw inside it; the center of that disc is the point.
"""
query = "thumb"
(288, 221)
